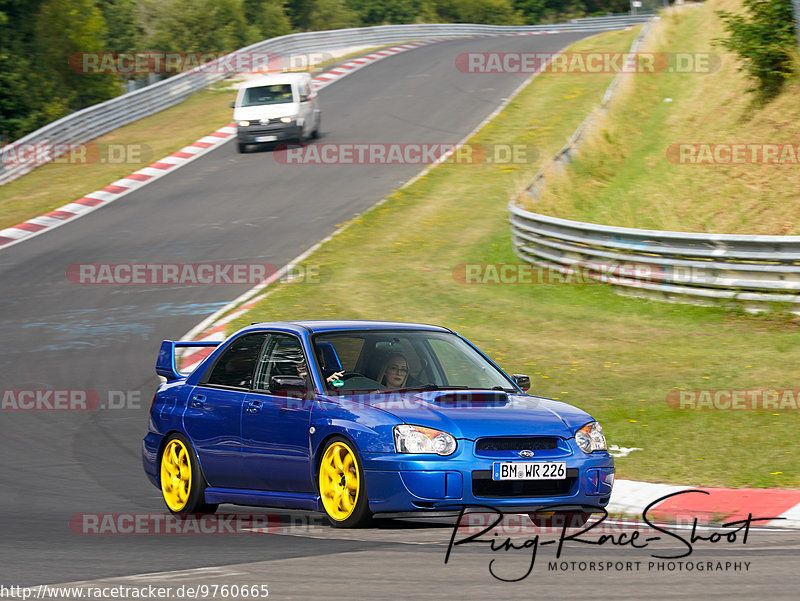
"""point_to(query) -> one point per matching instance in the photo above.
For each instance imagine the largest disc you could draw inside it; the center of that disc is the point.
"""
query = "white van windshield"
(275, 94)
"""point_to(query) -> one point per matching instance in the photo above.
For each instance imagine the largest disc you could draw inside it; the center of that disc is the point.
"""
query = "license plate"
(529, 470)
(266, 138)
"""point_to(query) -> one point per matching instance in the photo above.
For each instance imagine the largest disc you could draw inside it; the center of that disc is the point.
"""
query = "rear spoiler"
(165, 364)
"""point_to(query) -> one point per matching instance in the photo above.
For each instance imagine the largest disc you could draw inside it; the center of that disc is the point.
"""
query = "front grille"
(530, 443)
(270, 122)
(484, 486)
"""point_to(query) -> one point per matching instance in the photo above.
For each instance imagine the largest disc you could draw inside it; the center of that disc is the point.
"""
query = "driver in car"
(395, 371)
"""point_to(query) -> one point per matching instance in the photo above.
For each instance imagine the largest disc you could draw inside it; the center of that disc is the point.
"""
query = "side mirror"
(522, 381)
(290, 386)
(305, 98)
(233, 105)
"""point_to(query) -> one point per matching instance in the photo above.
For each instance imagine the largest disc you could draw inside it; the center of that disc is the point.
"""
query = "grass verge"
(616, 357)
(631, 172)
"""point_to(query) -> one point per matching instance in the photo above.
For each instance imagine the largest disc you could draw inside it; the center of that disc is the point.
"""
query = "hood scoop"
(457, 399)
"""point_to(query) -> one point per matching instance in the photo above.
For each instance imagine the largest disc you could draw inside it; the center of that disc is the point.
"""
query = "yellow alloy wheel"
(176, 475)
(339, 483)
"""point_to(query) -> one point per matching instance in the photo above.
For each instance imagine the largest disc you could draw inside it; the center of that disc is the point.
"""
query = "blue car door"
(275, 423)
(214, 411)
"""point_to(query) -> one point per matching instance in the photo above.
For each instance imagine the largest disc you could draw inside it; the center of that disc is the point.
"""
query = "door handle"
(198, 401)
(254, 407)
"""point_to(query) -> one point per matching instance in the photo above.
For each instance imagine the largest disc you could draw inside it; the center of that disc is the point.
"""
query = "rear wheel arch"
(197, 502)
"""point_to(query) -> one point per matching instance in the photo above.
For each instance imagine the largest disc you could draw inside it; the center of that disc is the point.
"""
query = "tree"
(299, 12)
(331, 14)
(70, 27)
(268, 16)
(763, 39)
(489, 12)
(202, 26)
(380, 12)
(123, 31)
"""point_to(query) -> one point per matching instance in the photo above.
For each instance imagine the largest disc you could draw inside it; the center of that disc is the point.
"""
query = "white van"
(277, 107)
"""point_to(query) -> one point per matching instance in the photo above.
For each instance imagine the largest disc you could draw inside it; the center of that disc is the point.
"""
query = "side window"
(283, 356)
(236, 364)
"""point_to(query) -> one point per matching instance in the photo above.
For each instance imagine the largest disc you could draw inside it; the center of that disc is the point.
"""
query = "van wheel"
(315, 133)
(242, 148)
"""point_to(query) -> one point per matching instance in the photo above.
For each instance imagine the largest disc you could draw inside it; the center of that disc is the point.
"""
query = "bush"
(764, 40)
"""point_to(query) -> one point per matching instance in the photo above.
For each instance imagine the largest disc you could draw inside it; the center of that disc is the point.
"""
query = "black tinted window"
(283, 357)
(277, 94)
(236, 364)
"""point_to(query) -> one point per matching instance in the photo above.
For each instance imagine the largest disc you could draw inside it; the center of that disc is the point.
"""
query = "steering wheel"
(351, 374)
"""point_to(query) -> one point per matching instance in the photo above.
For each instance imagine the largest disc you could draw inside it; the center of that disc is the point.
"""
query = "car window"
(283, 356)
(235, 365)
(275, 94)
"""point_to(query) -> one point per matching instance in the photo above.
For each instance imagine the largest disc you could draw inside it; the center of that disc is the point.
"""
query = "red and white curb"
(142, 177)
(719, 505)
(115, 190)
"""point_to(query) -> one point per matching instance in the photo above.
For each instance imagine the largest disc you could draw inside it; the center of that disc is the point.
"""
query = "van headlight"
(244, 123)
(418, 439)
(590, 438)
(287, 119)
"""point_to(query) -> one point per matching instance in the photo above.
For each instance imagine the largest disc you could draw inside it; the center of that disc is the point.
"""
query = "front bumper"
(399, 484)
(254, 134)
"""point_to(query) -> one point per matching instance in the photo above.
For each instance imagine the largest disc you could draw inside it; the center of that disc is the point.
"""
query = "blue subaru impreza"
(363, 418)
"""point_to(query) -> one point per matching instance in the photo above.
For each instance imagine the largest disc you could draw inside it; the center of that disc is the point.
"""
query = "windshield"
(403, 359)
(275, 94)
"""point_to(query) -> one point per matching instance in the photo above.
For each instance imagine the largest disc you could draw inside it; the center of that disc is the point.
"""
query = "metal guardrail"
(682, 266)
(700, 268)
(91, 122)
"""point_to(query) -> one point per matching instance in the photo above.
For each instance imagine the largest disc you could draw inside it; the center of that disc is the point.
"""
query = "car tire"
(556, 520)
(183, 485)
(241, 148)
(341, 484)
(315, 133)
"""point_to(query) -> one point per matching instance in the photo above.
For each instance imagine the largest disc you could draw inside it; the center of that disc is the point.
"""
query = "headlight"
(244, 123)
(286, 119)
(590, 438)
(417, 439)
